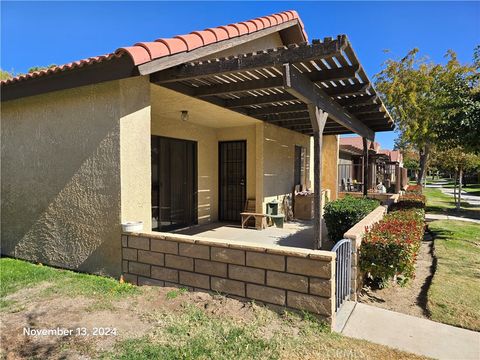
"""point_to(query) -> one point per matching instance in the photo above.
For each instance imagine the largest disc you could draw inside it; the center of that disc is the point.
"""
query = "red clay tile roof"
(143, 52)
(394, 155)
(357, 142)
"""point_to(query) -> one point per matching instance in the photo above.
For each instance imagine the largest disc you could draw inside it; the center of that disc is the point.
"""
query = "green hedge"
(389, 249)
(340, 215)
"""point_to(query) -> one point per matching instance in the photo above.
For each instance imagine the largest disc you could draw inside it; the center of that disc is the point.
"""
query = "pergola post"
(365, 166)
(398, 178)
(318, 118)
(320, 107)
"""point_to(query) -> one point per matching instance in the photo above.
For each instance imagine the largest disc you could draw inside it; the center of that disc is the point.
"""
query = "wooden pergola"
(314, 89)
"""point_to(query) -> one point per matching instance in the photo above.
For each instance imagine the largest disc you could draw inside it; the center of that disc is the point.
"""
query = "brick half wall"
(292, 277)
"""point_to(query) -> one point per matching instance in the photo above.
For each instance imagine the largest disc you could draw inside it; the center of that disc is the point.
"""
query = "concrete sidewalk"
(432, 217)
(412, 334)
(466, 197)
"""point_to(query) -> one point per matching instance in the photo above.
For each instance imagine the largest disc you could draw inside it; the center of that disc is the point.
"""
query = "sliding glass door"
(174, 183)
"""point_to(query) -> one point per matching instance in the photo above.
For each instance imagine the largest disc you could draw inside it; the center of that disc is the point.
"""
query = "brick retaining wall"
(292, 277)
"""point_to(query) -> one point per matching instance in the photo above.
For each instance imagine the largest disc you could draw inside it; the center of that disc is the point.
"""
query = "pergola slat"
(258, 100)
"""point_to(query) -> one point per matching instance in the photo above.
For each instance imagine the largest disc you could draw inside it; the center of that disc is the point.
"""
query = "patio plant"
(340, 215)
(390, 247)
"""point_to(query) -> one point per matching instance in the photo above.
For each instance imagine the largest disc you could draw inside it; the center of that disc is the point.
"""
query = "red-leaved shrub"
(414, 189)
(389, 249)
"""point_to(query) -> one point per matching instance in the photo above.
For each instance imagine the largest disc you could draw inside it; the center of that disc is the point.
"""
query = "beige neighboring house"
(384, 166)
(174, 132)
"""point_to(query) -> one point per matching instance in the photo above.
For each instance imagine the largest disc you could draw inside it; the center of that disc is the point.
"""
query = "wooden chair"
(249, 213)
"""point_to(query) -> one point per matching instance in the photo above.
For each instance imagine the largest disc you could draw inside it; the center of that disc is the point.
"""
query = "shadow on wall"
(61, 178)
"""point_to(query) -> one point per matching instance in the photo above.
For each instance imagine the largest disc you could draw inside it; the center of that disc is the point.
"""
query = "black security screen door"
(174, 183)
(232, 179)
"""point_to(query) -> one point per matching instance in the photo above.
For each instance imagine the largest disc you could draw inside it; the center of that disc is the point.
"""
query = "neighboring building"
(157, 132)
(383, 166)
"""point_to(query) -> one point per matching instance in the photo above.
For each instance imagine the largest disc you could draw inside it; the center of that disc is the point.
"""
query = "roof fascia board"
(115, 69)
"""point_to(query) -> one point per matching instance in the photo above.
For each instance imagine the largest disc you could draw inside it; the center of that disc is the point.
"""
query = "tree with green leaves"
(459, 93)
(39, 68)
(458, 161)
(415, 91)
(5, 75)
(407, 88)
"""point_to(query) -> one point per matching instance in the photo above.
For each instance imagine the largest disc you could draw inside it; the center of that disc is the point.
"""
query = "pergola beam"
(285, 116)
(301, 87)
(367, 109)
(357, 100)
(258, 100)
(276, 109)
(253, 61)
(347, 90)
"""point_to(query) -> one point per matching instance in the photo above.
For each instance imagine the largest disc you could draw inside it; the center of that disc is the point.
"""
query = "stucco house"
(174, 132)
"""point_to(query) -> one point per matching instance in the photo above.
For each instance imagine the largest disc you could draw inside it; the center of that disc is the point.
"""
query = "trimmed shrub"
(389, 249)
(409, 201)
(340, 215)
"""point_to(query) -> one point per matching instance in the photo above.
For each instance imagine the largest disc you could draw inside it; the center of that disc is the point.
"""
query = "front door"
(232, 179)
(174, 183)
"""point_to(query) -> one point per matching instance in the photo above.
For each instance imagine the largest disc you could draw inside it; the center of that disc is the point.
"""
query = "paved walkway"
(412, 334)
(448, 217)
(466, 197)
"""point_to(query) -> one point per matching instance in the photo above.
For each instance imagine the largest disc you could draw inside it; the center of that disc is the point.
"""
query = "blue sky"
(43, 33)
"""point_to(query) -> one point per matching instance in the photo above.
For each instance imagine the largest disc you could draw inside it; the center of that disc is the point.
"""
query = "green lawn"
(454, 295)
(16, 275)
(159, 323)
(440, 203)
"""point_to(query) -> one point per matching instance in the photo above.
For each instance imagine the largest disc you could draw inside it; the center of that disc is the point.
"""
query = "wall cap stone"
(357, 231)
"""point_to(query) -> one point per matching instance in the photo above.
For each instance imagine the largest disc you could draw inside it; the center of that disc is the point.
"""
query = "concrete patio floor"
(294, 234)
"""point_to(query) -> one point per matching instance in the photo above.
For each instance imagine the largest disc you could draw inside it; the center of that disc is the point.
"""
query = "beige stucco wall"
(278, 160)
(207, 125)
(61, 174)
(330, 164)
(330, 145)
(135, 151)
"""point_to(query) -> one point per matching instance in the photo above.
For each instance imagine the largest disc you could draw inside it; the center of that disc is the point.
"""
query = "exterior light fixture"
(184, 115)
